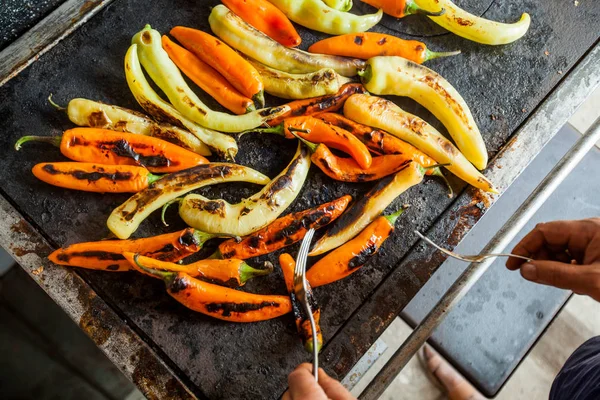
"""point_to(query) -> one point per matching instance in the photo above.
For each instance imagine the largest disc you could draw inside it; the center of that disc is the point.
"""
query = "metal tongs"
(300, 289)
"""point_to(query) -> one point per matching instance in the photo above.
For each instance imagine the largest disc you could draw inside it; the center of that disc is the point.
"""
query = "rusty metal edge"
(122, 345)
(45, 35)
(386, 302)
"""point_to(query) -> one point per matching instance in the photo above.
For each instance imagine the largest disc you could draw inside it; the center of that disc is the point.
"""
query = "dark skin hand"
(566, 254)
(302, 386)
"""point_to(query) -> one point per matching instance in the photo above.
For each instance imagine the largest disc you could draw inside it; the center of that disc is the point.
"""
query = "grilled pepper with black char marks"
(108, 254)
(348, 258)
(284, 231)
(288, 265)
(218, 301)
(119, 148)
(126, 218)
(253, 213)
(230, 273)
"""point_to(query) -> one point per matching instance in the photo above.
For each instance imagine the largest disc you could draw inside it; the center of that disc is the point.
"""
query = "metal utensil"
(300, 289)
(468, 258)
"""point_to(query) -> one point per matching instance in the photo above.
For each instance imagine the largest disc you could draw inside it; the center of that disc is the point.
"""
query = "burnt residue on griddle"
(226, 309)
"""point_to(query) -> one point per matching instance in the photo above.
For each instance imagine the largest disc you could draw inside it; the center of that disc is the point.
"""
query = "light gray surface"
(496, 323)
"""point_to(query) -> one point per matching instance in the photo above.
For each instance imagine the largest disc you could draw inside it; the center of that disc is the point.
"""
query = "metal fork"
(474, 258)
(300, 289)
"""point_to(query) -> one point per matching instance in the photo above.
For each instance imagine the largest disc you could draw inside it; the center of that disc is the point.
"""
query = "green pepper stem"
(431, 55)
(366, 74)
(278, 130)
(309, 345)
(438, 172)
(153, 178)
(165, 275)
(392, 218)
(259, 99)
(164, 208)
(311, 146)
(53, 104)
(248, 272)
(250, 108)
(203, 237)
(414, 8)
(53, 140)
(216, 255)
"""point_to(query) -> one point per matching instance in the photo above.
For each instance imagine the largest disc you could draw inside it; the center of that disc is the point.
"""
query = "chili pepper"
(400, 77)
(284, 231)
(90, 177)
(258, 46)
(347, 170)
(228, 273)
(317, 131)
(340, 5)
(384, 114)
(95, 114)
(476, 28)
(347, 259)
(126, 218)
(267, 18)
(253, 213)
(402, 8)
(207, 78)
(300, 86)
(150, 101)
(119, 148)
(319, 105)
(365, 210)
(108, 254)
(218, 301)
(165, 74)
(288, 265)
(372, 44)
(318, 16)
(225, 60)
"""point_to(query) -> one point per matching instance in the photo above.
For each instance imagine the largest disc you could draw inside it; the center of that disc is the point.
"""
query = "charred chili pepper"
(365, 210)
(340, 5)
(239, 72)
(267, 18)
(317, 131)
(166, 75)
(108, 254)
(300, 86)
(372, 44)
(384, 114)
(218, 301)
(476, 28)
(288, 265)
(207, 78)
(253, 213)
(402, 8)
(150, 101)
(98, 178)
(95, 114)
(126, 218)
(119, 148)
(400, 77)
(318, 16)
(284, 231)
(347, 259)
(258, 46)
(228, 273)
(319, 105)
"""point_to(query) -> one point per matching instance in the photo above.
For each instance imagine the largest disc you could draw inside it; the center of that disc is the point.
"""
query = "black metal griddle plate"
(226, 360)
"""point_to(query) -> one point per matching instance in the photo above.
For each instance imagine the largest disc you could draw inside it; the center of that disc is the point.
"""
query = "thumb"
(578, 278)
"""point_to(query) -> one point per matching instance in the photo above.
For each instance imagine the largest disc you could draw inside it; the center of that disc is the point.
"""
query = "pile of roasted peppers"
(160, 157)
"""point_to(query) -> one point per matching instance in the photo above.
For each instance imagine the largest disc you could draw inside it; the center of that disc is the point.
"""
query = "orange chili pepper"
(373, 44)
(402, 8)
(239, 72)
(348, 258)
(207, 78)
(284, 231)
(218, 301)
(120, 148)
(288, 265)
(90, 177)
(230, 273)
(318, 131)
(108, 254)
(321, 104)
(267, 18)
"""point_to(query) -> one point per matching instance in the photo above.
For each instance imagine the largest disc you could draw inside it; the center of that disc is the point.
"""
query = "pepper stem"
(311, 146)
(438, 172)
(431, 55)
(248, 272)
(54, 140)
(259, 99)
(53, 104)
(165, 275)
(203, 237)
(414, 8)
(216, 255)
(366, 74)
(153, 178)
(164, 208)
(392, 218)
(278, 130)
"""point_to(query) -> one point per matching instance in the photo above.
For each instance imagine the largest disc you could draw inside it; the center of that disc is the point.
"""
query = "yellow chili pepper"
(475, 28)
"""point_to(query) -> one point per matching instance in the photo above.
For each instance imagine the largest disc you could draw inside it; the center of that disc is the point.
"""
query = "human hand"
(566, 254)
(302, 386)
